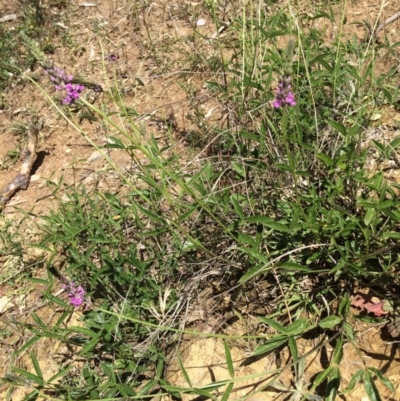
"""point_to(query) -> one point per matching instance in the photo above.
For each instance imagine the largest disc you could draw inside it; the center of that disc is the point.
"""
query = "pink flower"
(76, 294)
(284, 95)
(62, 82)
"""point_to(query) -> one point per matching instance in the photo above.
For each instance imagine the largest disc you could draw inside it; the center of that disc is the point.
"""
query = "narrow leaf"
(333, 385)
(297, 327)
(356, 378)
(338, 351)
(227, 392)
(321, 377)
(270, 345)
(383, 379)
(36, 365)
(184, 372)
(295, 267)
(330, 321)
(229, 362)
(370, 387)
(275, 325)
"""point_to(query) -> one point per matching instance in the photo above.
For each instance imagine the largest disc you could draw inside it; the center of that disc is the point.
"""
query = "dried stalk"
(21, 181)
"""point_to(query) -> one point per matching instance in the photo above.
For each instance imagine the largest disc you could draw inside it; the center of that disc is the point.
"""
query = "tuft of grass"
(278, 196)
(35, 21)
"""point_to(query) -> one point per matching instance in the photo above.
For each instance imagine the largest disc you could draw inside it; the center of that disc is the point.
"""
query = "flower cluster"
(73, 91)
(76, 293)
(63, 82)
(284, 95)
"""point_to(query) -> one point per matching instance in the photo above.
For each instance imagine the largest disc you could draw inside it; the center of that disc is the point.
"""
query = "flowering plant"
(63, 82)
(284, 95)
(76, 294)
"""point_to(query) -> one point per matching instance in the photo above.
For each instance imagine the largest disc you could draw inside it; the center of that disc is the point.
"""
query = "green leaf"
(382, 378)
(338, 351)
(267, 221)
(258, 256)
(291, 266)
(349, 331)
(385, 204)
(395, 143)
(326, 159)
(237, 207)
(83, 330)
(28, 344)
(38, 281)
(251, 273)
(148, 388)
(370, 387)
(321, 377)
(36, 365)
(39, 321)
(278, 226)
(184, 372)
(293, 349)
(394, 235)
(239, 168)
(283, 167)
(213, 386)
(369, 319)
(29, 376)
(298, 366)
(297, 327)
(339, 127)
(353, 131)
(227, 392)
(330, 321)
(356, 378)
(126, 390)
(151, 215)
(344, 305)
(258, 219)
(175, 390)
(275, 325)
(333, 385)
(114, 143)
(245, 239)
(369, 216)
(90, 345)
(57, 301)
(270, 345)
(160, 368)
(60, 373)
(229, 362)
(184, 216)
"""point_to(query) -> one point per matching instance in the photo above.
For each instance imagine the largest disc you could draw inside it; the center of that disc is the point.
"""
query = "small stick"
(21, 181)
(387, 22)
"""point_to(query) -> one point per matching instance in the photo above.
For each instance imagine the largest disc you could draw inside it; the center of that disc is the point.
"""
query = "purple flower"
(284, 95)
(111, 57)
(62, 82)
(76, 294)
(73, 91)
(58, 76)
(97, 88)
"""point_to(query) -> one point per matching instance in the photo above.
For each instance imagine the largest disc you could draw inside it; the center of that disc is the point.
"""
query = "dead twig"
(21, 181)
(386, 22)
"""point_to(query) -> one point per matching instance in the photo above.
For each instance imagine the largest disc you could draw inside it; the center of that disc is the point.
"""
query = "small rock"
(35, 177)
(94, 156)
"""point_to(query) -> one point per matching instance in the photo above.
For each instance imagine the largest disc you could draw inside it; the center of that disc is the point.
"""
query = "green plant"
(281, 194)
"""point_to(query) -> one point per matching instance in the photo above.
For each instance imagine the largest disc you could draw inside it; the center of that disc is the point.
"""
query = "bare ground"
(152, 82)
